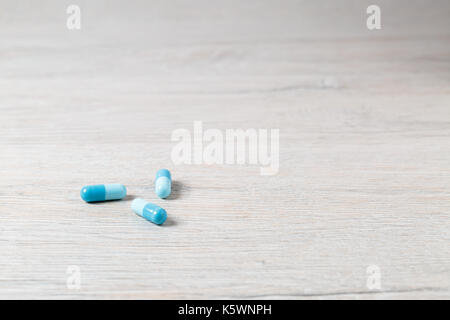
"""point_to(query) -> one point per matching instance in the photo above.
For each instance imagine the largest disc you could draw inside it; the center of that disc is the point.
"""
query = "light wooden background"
(364, 119)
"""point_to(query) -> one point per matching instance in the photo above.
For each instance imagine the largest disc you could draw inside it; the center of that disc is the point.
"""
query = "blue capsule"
(149, 211)
(163, 183)
(103, 192)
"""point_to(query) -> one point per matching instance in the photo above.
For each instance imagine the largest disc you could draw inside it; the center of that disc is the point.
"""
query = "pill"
(149, 211)
(163, 183)
(103, 192)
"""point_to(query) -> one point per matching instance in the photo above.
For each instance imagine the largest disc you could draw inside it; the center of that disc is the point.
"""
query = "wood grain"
(364, 179)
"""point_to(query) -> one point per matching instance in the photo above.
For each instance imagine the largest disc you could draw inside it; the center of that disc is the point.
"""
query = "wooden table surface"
(364, 179)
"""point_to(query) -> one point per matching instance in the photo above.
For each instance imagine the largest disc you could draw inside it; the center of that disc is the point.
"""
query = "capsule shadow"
(169, 223)
(176, 190)
(129, 197)
(100, 202)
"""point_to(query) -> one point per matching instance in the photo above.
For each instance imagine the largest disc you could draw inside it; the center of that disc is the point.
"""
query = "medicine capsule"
(163, 183)
(149, 211)
(103, 192)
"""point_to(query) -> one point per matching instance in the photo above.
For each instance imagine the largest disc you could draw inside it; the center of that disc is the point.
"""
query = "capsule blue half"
(149, 211)
(163, 183)
(103, 192)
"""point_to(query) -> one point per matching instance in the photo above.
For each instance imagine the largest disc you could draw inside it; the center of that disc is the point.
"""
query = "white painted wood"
(364, 119)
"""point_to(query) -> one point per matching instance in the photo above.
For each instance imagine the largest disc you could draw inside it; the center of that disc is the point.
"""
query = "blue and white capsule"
(149, 211)
(103, 192)
(163, 183)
